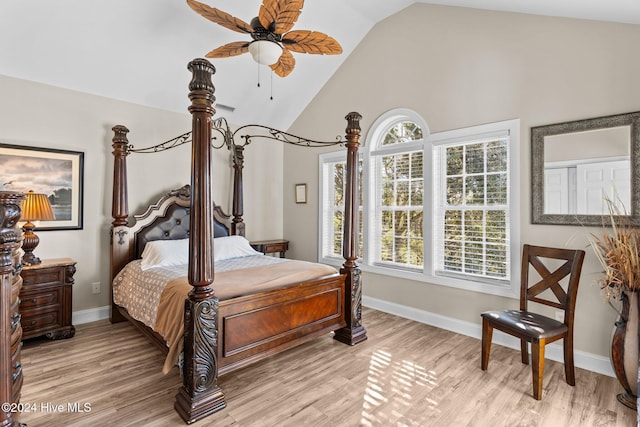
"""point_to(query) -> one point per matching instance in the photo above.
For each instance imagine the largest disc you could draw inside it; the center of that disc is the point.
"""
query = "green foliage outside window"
(402, 132)
(401, 200)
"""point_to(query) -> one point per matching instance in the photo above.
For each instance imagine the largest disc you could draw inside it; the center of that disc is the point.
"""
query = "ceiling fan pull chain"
(258, 74)
(271, 97)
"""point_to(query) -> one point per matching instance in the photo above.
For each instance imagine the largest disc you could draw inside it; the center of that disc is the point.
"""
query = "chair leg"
(487, 333)
(569, 367)
(537, 361)
(524, 351)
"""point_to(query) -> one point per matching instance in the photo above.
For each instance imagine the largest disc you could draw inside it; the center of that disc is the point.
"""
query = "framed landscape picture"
(56, 173)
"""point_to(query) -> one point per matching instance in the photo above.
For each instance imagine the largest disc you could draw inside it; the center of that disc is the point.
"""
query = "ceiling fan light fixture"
(265, 52)
(274, 38)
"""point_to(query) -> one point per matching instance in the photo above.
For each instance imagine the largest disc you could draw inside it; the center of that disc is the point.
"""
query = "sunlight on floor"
(398, 391)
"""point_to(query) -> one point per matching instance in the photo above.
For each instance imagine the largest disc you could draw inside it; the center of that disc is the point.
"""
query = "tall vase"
(624, 349)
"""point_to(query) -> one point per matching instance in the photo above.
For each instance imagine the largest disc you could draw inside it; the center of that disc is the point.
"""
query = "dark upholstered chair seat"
(526, 323)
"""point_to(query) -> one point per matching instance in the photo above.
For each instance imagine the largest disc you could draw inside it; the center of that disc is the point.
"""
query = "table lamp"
(36, 207)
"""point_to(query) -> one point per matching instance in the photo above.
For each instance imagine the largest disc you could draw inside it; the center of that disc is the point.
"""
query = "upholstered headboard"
(167, 219)
(173, 225)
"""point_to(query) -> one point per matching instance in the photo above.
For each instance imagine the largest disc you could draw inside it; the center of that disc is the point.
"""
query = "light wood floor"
(406, 374)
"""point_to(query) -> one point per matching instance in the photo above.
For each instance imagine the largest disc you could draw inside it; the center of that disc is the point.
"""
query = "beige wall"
(33, 114)
(461, 67)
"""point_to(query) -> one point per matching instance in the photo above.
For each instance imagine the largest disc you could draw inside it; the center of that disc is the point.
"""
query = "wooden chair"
(534, 328)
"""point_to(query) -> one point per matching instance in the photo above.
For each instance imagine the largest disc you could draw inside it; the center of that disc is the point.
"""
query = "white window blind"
(471, 208)
(333, 177)
(333, 208)
(398, 239)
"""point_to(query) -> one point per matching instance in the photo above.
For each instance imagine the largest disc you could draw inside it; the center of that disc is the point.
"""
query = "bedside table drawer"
(42, 298)
(279, 247)
(40, 321)
(43, 276)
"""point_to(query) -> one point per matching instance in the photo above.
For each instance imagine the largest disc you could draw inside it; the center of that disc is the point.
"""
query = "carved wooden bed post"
(200, 395)
(119, 210)
(237, 226)
(354, 332)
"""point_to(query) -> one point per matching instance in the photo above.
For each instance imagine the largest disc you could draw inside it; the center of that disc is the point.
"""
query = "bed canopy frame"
(200, 394)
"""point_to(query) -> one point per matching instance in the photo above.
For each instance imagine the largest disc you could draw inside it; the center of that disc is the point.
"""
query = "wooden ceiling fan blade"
(219, 17)
(279, 16)
(304, 41)
(230, 49)
(285, 64)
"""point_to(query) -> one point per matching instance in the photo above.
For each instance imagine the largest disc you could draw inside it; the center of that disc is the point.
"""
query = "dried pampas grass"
(617, 251)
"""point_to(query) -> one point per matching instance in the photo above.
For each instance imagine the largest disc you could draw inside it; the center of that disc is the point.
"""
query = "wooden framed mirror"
(576, 165)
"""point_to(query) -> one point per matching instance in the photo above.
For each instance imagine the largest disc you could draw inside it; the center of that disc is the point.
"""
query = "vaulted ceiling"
(137, 50)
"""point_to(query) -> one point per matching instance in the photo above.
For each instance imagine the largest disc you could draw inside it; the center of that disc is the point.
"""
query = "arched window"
(396, 189)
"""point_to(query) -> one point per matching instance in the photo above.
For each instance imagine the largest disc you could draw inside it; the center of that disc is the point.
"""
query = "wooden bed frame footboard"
(258, 326)
(221, 336)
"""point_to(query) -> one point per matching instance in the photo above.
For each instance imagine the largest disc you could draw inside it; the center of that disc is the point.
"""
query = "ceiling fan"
(271, 32)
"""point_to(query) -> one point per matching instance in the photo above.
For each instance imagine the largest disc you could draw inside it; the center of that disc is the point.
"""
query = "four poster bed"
(225, 324)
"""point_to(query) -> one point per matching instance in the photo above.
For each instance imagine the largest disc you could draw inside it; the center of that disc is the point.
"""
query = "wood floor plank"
(406, 373)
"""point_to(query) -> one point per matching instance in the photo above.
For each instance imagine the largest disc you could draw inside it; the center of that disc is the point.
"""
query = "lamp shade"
(36, 207)
(265, 52)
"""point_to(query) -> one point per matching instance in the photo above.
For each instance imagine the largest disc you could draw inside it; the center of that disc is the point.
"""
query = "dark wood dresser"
(46, 299)
(10, 283)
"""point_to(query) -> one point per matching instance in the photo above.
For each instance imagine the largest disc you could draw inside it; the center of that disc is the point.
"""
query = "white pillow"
(165, 253)
(232, 247)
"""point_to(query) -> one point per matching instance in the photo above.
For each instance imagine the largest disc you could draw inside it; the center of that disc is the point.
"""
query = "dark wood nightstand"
(45, 299)
(271, 246)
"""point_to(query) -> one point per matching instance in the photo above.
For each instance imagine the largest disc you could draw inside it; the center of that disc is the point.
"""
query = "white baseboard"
(582, 359)
(90, 315)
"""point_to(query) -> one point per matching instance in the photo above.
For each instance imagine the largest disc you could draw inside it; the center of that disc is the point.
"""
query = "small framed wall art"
(301, 193)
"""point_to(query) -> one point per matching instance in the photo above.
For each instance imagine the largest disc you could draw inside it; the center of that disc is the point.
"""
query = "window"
(397, 194)
(471, 211)
(333, 173)
(438, 208)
